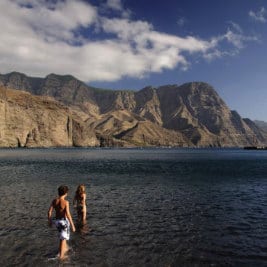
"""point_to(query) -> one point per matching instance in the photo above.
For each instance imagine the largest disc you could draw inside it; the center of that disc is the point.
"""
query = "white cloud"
(159, 50)
(116, 5)
(236, 27)
(259, 15)
(234, 36)
(40, 37)
(46, 20)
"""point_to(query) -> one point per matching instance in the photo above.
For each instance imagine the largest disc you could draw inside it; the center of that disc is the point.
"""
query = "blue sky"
(126, 44)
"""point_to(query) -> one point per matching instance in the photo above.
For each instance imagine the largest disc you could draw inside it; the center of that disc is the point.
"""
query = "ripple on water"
(151, 208)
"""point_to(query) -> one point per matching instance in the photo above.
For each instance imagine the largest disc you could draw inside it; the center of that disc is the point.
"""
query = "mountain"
(192, 114)
(34, 121)
(262, 125)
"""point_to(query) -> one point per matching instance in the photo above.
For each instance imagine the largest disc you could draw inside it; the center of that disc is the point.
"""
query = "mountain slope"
(262, 125)
(192, 114)
(34, 121)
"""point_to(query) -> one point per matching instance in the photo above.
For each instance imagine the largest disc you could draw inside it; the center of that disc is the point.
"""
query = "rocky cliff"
(34, 121)
(63, 111)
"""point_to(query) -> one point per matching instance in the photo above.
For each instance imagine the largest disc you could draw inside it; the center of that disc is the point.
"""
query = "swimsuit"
(63, 227)
(80, 208)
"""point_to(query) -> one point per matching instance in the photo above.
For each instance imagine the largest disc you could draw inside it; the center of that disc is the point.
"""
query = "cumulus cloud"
(259, 15)
(49, 20)
(41, 37)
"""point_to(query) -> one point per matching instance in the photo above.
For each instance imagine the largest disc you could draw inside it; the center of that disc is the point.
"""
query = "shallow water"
(146, 207)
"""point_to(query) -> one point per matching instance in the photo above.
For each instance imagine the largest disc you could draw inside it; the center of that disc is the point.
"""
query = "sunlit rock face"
(63, 111)
(36, 121)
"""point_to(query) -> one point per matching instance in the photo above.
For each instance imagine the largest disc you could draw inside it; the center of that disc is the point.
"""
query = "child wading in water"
(63, 219)
(79, 202)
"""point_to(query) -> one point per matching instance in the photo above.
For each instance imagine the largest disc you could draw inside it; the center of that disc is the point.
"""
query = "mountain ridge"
(192, 114)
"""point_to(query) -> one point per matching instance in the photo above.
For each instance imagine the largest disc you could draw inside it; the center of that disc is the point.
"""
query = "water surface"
(146, 207)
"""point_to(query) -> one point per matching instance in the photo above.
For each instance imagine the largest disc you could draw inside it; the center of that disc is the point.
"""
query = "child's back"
(60, 207)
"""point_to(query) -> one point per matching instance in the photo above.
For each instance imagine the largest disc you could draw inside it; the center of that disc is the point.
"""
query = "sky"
(131, 44)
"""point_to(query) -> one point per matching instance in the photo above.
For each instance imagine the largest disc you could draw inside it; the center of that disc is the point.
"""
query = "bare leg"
(62, 248)
(84, 217)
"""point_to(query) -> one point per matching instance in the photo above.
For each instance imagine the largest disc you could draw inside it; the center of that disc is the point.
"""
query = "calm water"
(146, 207)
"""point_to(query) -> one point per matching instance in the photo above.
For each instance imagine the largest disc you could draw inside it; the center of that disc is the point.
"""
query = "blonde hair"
(80, 190)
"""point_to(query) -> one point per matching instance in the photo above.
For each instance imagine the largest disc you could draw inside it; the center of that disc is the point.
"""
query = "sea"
(153, 207)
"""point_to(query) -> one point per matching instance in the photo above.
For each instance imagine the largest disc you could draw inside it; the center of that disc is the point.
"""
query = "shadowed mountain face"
(262, 125)
(192, 114)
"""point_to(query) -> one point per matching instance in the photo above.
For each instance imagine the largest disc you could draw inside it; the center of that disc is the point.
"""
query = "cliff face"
(198, 112)
(65, 112)
(31, 121)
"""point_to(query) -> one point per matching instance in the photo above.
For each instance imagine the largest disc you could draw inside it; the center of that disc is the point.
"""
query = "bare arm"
(84, 200)
(84, 207)
(69, 216)
(74, 201)
(49, 214)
